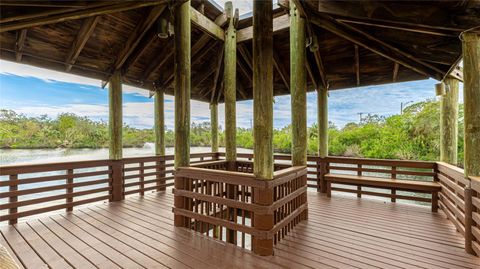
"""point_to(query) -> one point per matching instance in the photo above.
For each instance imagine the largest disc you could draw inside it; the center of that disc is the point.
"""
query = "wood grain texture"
(230, 86)
(471, 102)
(182, 59)
(449, 122)
(342, 232)
(263, 89)
(115, 123)
(298, 86)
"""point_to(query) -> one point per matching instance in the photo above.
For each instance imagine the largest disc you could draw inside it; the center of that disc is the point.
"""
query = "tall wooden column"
(182, 54)
(471, 102)
(214, 125)
(322, 110)
(322, 118)
(115, 125)
(115, 116)
(263, 117)
(471, 105)
(159, 124)
(298, 87)
(182, 59)
(230, 91)
(449, 122)
(263, 89)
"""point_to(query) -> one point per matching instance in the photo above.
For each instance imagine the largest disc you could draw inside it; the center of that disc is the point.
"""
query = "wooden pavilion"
(247, 210)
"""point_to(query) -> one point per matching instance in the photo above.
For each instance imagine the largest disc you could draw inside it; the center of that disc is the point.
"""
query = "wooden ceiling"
(358, 43)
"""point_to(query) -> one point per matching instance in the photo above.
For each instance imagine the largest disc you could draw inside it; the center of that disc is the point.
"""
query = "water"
(35, 156)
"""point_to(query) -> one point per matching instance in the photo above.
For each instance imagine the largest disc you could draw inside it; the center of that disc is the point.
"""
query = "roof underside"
(360, 43)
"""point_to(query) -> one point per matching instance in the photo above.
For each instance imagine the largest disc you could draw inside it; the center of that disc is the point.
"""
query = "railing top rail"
(43, 167)
(380, 162)
(240, 178)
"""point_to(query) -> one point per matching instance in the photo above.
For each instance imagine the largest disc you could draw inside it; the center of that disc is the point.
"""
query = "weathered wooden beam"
(357, 64)
(146, 41)
(206, 25)
(471, 102)
(158, 62)
(115, 122)
(78, 14)
(137, 35)
(321, 68)
(159, 124)
(396, 66)
(399, 26)
(247, 57)
(230, 86)
(20, 43)
(310, 74)
(86, 30)
(217, 74)
(182, 86)
(371, 43)
(50, 12)
(298, 86)
(277, 62)
(280, 23)
(214, 125)
(263, 91)
(449, 122)
(358, 13)
(246, 71)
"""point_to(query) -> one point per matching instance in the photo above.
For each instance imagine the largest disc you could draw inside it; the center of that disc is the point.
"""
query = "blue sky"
(35, 92)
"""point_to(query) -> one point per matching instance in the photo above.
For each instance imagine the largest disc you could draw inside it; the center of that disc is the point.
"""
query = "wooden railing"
(389, 169)
(27, 190)
(472, 238)
(452, 197)
(237, 208)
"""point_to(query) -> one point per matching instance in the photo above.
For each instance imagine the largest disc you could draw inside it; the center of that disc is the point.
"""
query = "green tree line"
(413, 135)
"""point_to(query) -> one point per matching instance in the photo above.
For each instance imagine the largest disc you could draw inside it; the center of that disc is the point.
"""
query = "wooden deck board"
(138, 233)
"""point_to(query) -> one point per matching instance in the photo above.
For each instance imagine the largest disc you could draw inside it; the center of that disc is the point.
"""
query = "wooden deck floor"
(340, 233)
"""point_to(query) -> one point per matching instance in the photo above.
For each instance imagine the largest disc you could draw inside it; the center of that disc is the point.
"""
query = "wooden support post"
(230, 91)
(69, 189)
(214, 125)
(468, 220)
(13, 199)
(264, 197)
(298, 86)
(263, 117)
(117, 181)
(159, 125)
(449, 122)
(263, 89)
(182, 76)
(471, 102)
(322, 115)
(115, 123)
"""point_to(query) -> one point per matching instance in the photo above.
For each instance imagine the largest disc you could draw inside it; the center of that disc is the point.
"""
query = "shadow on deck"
(341, 232)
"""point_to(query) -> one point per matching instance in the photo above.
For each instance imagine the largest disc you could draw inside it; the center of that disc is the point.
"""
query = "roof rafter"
(357, 64)
(369, 42)
(20, 43)
(137, 35)
(81, 39)
(92, 10)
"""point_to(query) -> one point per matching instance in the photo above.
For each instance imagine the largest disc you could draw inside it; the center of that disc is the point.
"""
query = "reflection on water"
(35, 156)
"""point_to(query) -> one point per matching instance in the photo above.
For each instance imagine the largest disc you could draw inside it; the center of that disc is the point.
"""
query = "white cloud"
(23, 70)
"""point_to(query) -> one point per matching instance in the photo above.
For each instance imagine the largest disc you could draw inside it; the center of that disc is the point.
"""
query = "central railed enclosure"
(224, 200)
(235, 207)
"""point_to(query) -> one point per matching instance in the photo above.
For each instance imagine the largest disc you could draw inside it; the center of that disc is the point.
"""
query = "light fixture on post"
(163, 27)
(440, 89)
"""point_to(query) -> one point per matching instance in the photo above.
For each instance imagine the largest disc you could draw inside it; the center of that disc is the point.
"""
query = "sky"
(35, 92)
